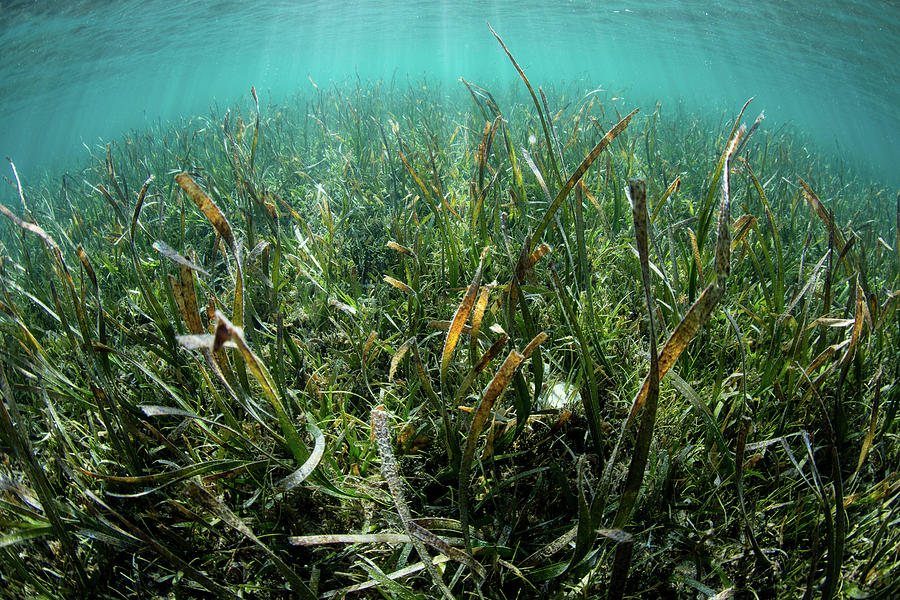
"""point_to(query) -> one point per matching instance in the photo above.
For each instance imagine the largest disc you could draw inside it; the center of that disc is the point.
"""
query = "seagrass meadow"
(391, 339)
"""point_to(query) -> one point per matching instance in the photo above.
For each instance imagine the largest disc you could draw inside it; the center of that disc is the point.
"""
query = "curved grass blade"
(120, 216)
(300, 475)
(706, 209)
(706, 415)
(723, 237)
(537, 175)
(142, 195)
(175, 475)
(35, 229)
(207, 207)
(672, 189)
(873, 423)
(101, 322)
(679, 339)
(220, 223)
(18, 185)
(400, 286)
(824, 215)
(554, 547)
(398, 574)
(442, 546)
(398, 356)
(401, 249)
(477, 317)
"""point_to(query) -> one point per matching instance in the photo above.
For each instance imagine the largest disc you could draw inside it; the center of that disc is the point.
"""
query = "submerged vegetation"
(382, 337)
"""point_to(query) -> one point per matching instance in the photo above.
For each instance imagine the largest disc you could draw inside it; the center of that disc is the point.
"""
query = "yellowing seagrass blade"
(459, 319)
(695, 252)
(813, 200)
(181, 299)
(401, 249)
(672, 189)
(862, 315)
(538, 253)
(398, 356)
(742, 227)
(678, 341)
(400, 286)
(534, 343)
(478, 314)
(207, 206)
(491, 393)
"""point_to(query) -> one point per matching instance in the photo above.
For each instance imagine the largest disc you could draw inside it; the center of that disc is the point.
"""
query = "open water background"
(76, 72)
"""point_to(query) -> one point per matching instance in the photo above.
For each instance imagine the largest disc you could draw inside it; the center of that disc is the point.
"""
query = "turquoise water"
(73, 73)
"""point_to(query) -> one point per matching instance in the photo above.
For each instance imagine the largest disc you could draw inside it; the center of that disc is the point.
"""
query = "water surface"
(76, 72)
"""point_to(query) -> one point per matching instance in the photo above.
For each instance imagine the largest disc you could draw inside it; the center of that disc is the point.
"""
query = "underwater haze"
(78, 72)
